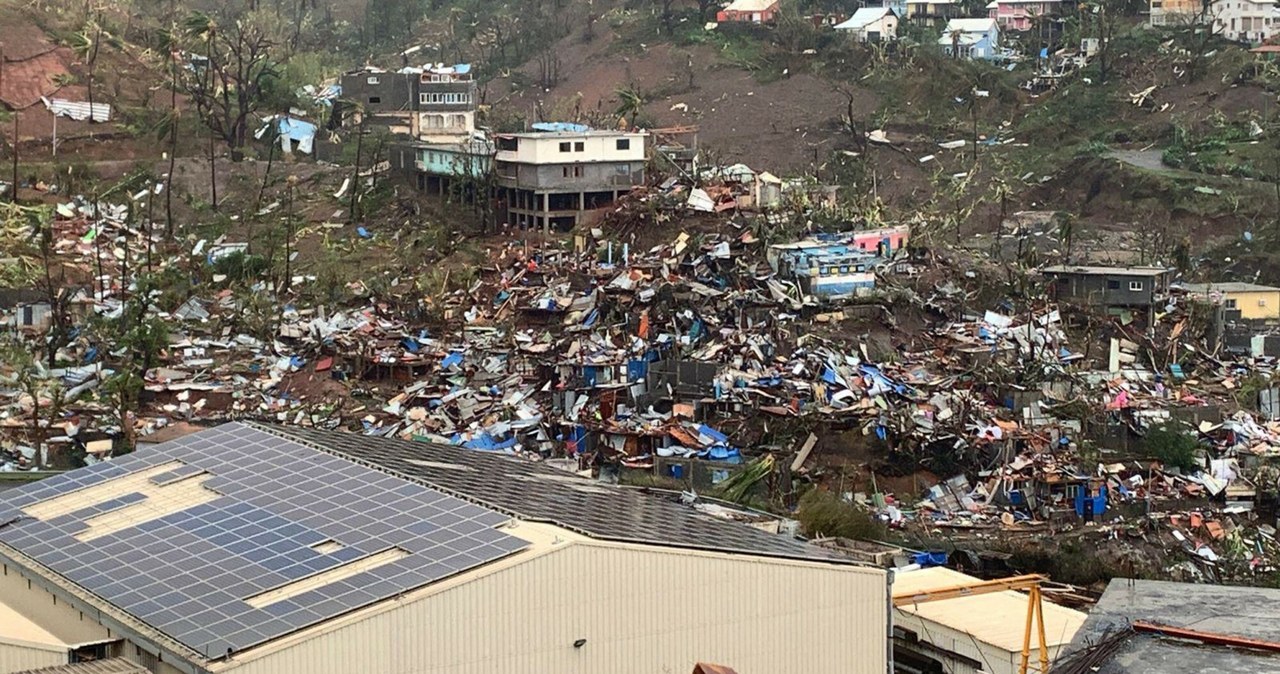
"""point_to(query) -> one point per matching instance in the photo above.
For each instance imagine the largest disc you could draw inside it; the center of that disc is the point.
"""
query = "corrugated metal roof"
(750, 5)
(77, 110)
(108, 666)
(997, 619)
(1227, 287)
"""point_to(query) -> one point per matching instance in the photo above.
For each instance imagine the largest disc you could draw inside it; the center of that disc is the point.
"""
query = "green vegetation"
(822, 513)
(1172, 447)
(1241, 147)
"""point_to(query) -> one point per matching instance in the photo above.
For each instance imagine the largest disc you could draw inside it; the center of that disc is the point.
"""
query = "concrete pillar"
(546, 210)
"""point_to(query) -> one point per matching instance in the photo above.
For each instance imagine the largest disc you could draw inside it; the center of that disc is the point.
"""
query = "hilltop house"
(749, 11)
(871, 24)
(1021, 14)
(971, 38)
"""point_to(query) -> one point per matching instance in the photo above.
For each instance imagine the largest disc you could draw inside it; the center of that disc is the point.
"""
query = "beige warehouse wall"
(59, 619)
(16, 658)
(640, 609)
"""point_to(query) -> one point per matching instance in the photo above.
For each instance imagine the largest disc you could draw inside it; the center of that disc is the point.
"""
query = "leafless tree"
(241, 58)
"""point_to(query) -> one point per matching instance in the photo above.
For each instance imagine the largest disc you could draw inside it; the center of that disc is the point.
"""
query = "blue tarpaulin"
(574, 443)
(554, 127)
(485, 442)
(726, 454)
(716, 436)
(637, 369)
(589, 373)
(931, 558)
(452, 359)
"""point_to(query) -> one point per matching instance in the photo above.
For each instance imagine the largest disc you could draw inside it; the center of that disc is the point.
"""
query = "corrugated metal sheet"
(641, 610)
(108, 666)
(77, 110)
(16, 658)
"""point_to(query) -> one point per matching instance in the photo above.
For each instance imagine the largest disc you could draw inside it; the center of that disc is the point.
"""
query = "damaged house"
(553, 176)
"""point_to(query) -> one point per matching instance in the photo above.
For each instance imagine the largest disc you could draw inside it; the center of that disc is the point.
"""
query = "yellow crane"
(1035, 607)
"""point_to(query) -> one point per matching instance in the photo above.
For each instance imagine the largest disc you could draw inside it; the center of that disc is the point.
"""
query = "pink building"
(1020, 14)
(749, 11)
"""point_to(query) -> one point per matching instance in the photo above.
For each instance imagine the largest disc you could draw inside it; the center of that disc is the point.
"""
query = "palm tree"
(956, 34)
(85, 44)
(630, 103)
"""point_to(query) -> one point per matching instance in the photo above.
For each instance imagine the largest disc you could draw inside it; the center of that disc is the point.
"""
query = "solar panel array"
(534, 491)
(189, 573)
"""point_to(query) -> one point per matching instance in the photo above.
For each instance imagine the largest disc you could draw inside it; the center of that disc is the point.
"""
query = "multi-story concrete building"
(1249, 21)
(554, 175)
(445, 104)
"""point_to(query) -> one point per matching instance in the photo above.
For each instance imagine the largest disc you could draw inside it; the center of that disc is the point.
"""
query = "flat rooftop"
(1105, 271)
(1248, 612)
(1226, 287)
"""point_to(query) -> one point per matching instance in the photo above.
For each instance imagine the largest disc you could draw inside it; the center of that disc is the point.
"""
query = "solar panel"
(534, 491)
(190, 572)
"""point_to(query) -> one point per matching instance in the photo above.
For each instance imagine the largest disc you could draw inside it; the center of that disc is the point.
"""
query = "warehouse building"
(256, 548)
(981, 634)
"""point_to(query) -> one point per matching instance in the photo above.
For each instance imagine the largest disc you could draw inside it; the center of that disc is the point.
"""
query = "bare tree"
(241, 58)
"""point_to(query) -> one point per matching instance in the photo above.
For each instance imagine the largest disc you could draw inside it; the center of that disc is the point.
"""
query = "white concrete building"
(1250, 21)
(554, 176)
(264, 550)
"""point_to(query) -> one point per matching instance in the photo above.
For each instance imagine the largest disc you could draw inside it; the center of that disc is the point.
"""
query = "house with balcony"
(1176, 12)
(446, 147)
(932, 12)
(1020, 15)
(1108, 287)
(556, 174)
(1247, 21)
(445, 103)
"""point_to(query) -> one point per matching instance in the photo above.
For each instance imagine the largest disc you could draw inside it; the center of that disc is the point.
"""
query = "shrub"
(825, 514)
(1172, 447)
